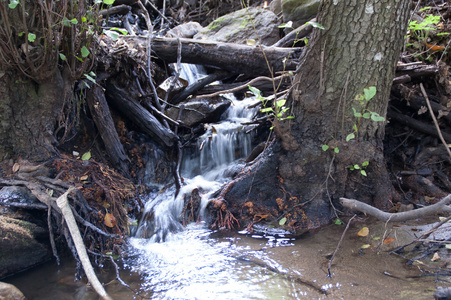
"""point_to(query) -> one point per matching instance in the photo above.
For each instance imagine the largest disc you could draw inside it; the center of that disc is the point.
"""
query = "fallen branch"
(436, 208)
(338, 247)
(79, 245)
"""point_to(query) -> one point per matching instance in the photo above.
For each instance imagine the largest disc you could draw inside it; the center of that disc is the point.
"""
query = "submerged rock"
(10, 292)
(238, 27)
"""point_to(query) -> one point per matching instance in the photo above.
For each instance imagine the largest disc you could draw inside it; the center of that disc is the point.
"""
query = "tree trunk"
(28, 114)
(359, 48)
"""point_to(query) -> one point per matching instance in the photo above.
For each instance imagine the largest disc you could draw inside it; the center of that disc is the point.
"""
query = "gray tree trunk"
(359, 48)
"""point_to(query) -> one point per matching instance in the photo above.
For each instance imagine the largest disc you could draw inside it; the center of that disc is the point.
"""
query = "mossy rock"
(299, 11)
(242, 25)
(19, 246)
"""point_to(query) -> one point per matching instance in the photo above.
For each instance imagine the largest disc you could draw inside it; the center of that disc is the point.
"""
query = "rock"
(185, 30)
(19, 245)
(238, 27)
(18, 194)
(207, 110)
(10, 292)
(297, 11)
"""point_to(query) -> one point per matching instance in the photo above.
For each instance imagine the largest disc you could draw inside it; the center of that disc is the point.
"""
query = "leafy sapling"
(277, 110)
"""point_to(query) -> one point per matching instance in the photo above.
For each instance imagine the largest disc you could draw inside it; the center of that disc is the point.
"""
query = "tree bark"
(359, 48)
(234, 58)
(104, 122)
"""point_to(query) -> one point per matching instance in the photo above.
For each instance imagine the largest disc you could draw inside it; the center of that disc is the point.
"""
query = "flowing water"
(168, 261)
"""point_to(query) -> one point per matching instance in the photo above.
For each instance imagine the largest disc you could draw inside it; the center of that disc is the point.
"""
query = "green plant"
(277, 110)
(360, 167)
(362, 111)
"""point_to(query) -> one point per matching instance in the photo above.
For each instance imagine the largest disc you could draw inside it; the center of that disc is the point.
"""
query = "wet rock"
(238, 27)
(10, 292)
(208, 110)
(20, 246)
(18, 194)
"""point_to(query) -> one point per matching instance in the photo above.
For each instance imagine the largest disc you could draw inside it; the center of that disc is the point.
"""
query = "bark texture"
(359, 48)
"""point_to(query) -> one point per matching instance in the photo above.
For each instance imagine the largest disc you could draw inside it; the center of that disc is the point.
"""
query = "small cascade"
(203, 167)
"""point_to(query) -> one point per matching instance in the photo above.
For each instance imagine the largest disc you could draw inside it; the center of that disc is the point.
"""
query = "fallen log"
(141, 117)
(104, 123)
(234, 58)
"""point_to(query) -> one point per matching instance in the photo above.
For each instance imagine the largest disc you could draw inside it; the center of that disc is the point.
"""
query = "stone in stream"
(10, 292)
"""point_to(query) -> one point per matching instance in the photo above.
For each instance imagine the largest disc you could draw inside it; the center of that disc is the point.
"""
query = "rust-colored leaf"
(434, 47)
(363, 232)
(389, 240)
(109, 220)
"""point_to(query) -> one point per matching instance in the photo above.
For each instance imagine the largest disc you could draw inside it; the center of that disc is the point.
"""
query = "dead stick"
(435, 119)
(338, 246)
(79, 245)
(439, 207)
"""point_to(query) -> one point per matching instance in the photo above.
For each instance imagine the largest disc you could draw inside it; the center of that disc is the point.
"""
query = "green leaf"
(254, 90)
(376, 117)
(355, 127)
(31, 37)
(84, 19)
(365, 164)
(289, 117)
(366, 115)
(280, 103)
(289, 24)
(66, 22)
(363, 172)
(74, 21)
(369, 93)
(366, 246)
(282, 221)
(108, 2)
(356, 167)
(84, 52)
(316, 25)
(112, 34)
(86, 156)
(325, 147)
(338, 222)
(265, 110)
(336, 150)
(350, 137)
(62, 56)
(90, 78)
(13, 3)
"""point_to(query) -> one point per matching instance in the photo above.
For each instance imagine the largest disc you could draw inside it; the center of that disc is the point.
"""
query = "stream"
(165, 260)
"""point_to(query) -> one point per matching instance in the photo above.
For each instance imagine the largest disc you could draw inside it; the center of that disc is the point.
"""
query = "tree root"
(439, 207)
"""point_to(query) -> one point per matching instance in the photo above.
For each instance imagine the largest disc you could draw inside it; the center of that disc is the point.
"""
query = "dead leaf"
(16, 167)
(366, 246)
(422, 110)
(389, 240)
(363, 232)
(84, 177)
(435, 257)
(109, 220)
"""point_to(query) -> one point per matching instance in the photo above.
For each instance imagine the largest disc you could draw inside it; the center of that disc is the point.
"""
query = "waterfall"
(203, 168)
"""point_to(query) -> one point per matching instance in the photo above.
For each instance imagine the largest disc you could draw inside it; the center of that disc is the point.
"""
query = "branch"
(79, 245)
(436, 208)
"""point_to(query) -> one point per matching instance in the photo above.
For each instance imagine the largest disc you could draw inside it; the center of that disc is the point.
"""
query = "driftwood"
(439, 207)
(234, 58)
(124, 102)
(79, 245)
(104, 122)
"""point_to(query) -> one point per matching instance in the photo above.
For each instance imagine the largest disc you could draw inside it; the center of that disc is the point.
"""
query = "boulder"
(20, 248)
(185, 30)
(202, 110)
(242, 25)
(10, 292)
(299, 11)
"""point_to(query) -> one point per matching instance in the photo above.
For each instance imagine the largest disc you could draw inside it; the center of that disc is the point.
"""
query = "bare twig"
(434, 119)
(338, 246)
